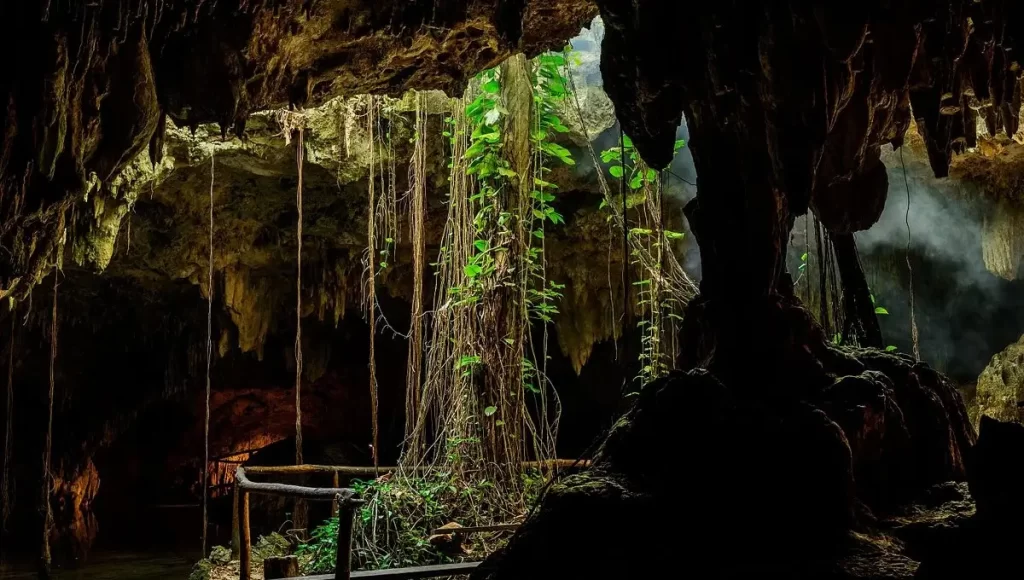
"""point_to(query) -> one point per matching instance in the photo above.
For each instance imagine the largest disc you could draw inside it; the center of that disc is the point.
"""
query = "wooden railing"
(345, 502)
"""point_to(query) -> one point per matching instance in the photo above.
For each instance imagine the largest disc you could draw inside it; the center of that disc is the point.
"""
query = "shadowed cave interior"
(732, 290)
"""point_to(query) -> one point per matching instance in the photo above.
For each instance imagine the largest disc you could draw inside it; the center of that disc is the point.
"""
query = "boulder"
(694, 473)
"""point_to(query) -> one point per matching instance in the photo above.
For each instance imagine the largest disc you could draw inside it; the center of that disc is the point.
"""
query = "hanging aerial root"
(417, 218)
(371, 284)
(209, 356)
(299, 158)
(47, 483)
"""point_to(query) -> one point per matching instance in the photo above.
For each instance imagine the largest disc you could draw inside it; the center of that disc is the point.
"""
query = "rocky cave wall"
(143, 239)
(788, 110)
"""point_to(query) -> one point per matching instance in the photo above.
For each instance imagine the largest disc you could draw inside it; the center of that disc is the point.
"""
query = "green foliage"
(319, 553)
(653, 240)
(392, 527)
(494, 228)
(878, 309)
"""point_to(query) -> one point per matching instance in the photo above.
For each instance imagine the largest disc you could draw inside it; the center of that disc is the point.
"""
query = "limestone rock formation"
(141, 63)
(729, 472)
(1000, 388)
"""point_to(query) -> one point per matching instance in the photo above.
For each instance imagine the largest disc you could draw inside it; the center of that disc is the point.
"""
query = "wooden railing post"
(343, 562)
(235, 537)
(245, 549)
(334, 504)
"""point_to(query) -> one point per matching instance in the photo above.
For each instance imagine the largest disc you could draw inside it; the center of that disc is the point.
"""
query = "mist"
(965, 314)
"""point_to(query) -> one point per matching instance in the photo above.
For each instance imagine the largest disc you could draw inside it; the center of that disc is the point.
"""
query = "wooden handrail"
(346, 501)
(286, 490)
(370, 471)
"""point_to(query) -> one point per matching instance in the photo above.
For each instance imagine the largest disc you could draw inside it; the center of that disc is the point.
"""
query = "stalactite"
(209, 357)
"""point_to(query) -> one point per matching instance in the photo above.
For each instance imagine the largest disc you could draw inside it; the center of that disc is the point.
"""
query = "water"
(115, 566)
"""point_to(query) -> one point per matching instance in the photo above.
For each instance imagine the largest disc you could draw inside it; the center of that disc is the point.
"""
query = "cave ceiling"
(796, 97)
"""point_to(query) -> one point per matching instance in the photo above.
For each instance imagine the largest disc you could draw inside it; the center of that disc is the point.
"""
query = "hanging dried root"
(417, 219)
(47, 483)
(371, 267)
(209, 355)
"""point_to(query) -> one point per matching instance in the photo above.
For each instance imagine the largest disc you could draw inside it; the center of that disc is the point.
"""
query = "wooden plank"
(407, 573)
(478, 529)
(281, 489)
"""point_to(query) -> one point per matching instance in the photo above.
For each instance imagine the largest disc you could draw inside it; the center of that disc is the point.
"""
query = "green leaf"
(680, 144)
(476, 150)
(481, 245)
(539, 234)
(652, 175)
(473, 270)
(804, 257)
(615, 171)
(490, 411)
(880, 310)
(637, 182)
(499, 423)
(890, 348)
(492, 87)
(627, 141)
(674, 235)
(506, 172)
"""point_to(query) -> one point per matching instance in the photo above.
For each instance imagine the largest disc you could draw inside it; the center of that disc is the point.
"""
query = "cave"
(550, 288)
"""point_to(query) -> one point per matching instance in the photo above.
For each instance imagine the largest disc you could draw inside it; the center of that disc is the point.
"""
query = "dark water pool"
(115, 566)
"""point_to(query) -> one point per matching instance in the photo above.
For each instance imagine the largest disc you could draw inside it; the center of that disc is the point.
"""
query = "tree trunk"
(861, 320)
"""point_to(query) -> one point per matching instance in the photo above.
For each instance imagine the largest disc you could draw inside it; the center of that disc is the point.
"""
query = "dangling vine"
(417, 219)
(662, 287)
(299, 158)
(481, 361)
(371, 265)
(47, 484)
(209, 357)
